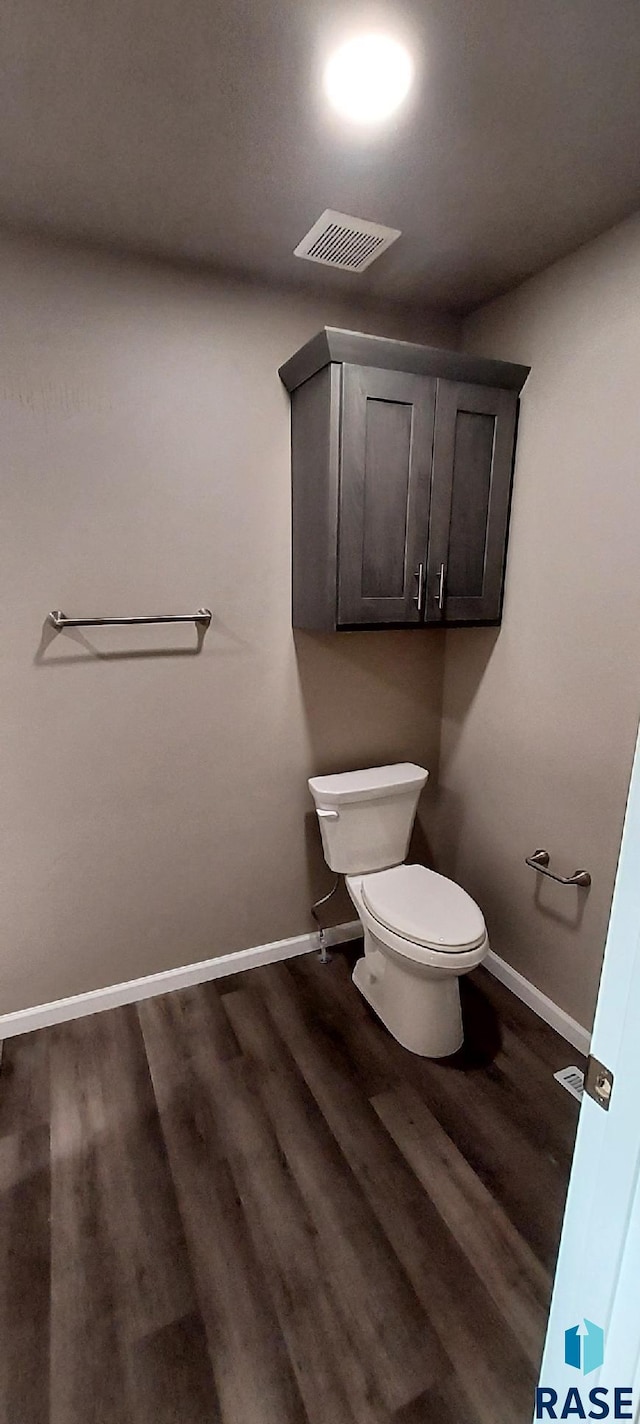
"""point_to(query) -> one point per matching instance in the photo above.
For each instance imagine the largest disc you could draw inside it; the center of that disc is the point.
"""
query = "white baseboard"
(545, 1008)
(97, 1000)
(114, 995)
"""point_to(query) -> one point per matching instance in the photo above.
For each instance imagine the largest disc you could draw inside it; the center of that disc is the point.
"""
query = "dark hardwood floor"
(244, 1203)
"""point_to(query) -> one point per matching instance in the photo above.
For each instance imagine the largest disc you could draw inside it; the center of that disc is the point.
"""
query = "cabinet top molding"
(332, 344)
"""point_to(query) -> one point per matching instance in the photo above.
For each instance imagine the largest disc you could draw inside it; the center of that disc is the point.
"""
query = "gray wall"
(540, 720)
(154, 805)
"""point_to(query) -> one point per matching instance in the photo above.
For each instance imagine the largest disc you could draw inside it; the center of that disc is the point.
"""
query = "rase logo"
(584, 1346)
(584, 1351)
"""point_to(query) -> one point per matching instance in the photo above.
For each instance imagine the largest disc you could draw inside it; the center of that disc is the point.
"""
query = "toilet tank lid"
(366, 785)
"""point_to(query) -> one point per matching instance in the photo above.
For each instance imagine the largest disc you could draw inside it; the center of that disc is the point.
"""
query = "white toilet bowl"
(421, 931)
(411, 982)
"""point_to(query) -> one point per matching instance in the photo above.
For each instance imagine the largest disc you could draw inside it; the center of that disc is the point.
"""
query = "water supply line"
(325, 957)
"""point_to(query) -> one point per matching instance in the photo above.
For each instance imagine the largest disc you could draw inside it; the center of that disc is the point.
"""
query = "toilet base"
(420, 1007)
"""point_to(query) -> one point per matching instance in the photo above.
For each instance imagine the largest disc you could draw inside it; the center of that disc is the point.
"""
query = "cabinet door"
(471, 488)
(385, 474)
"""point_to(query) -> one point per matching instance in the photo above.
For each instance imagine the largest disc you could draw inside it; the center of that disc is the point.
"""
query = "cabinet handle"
(440, 590)
(419, 574)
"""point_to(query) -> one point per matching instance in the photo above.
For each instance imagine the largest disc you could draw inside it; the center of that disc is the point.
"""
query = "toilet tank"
(366, 817)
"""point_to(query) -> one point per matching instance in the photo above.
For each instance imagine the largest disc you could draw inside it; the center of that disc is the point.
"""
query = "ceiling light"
(368, 78)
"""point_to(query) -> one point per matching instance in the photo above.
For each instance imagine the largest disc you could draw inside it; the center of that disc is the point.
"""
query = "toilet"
(421, 931)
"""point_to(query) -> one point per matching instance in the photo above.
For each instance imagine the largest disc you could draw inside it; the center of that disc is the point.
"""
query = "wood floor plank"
(441, 1405)
(526, 1064)
(283, 1237)
(222, 1043)
(512, 1274)
(87, 1365)
(548, 1046)
(152, 1275)
(525, 1181)
(321, 986)
(171, 1376)
(24, 1083)
(521, 1082)
(253, 1375)
(472, 1101)
(24, 1276)
(228, 983)
(474, 1337)
(245, 1203)
(283, 1240)
(379, 1311)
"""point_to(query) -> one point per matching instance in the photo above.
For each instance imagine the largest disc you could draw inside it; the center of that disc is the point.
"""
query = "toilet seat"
(424, 910)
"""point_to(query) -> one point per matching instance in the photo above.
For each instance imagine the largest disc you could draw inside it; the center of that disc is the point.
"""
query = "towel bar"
(60, 620)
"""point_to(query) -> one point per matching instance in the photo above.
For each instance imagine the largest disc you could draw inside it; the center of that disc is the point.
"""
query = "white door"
(597, 1286)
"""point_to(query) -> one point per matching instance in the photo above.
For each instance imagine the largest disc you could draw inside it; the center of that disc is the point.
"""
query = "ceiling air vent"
(337, 240)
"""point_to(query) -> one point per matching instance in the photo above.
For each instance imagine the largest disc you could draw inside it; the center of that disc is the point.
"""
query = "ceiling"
(197, 130)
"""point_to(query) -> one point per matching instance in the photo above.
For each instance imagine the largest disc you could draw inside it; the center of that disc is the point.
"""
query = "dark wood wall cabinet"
(402, 460)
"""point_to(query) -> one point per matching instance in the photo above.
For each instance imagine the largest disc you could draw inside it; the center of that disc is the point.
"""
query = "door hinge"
(598, 1083)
